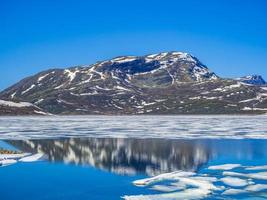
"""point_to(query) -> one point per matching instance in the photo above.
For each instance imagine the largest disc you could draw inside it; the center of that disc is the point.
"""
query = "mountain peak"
(171, 55)
(153, 57)
(252, 79)
(177, 66)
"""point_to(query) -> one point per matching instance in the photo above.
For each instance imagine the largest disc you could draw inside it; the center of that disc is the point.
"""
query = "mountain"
(254, 80)
(164, 83)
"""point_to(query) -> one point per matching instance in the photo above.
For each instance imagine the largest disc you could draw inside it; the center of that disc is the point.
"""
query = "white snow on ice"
(234, 182)
(32, 158)
(263, 167)
(171, 127)
(188, 185)
(224, 167)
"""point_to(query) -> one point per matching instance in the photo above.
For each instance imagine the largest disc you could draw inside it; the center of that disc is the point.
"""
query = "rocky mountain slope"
(164, 83)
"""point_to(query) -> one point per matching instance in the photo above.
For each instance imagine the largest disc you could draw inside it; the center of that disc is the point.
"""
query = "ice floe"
(256, 187)
(189, 185)
(188, 194)
(32, 158)
(7, 162)
(224, 167)
(257, 175)
(9, 159)
(165, 176)
(233, 192)
(263, 167)
(234, 182)
(248, 189)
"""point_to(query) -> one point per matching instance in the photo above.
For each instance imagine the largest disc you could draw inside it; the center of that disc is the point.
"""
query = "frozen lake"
(133, 157)
(172, 127)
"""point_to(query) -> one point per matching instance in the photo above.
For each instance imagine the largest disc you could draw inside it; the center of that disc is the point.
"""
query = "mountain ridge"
(163, 83)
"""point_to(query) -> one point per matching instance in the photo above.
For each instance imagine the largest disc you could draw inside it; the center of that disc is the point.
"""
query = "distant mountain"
(164, 83)
(254, 80)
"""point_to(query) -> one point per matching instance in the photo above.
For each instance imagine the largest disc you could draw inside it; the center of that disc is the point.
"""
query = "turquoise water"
(44, 180)
(106, 168)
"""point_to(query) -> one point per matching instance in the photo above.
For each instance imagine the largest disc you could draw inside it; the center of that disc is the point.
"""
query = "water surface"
(165, 157)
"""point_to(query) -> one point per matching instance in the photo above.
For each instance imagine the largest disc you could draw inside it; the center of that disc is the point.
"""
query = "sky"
(229, 36)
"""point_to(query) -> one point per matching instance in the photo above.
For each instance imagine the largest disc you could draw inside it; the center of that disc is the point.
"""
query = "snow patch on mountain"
(200, 72)
(27, 90)
(13, 95)
(70, 74)
(124, 59)
(14, 104)
(42, 77)
(170, 56)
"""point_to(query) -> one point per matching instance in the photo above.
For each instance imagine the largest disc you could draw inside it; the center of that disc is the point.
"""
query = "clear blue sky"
(229, 36)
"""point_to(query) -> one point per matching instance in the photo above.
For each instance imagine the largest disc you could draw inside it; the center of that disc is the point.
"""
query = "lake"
(133, 157)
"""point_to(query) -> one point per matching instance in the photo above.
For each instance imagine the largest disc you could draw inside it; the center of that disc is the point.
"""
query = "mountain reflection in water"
(123, 156)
